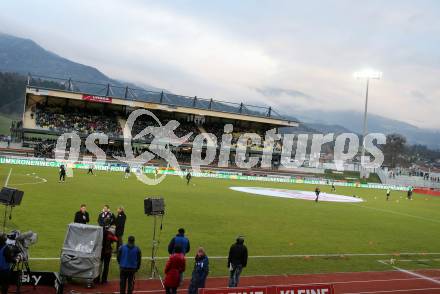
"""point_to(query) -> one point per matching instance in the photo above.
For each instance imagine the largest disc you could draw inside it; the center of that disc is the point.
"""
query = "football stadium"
(354, 237)
(219, 147)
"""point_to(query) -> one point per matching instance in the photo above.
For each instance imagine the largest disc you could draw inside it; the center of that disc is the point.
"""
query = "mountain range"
(23, 56)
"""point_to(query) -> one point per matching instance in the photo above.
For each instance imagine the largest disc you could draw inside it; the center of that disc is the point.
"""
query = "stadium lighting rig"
(366, 74)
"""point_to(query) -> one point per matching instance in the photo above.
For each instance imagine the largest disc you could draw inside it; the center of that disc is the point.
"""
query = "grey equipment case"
(81, 253)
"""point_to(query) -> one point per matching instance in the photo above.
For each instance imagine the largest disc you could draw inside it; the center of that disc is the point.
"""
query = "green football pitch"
(283, 236)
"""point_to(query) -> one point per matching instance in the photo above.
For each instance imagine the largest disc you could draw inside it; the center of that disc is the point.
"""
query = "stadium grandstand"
(85, 108)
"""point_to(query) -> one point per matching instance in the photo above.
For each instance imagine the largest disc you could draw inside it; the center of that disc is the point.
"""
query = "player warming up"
(188, 178)
(90, 171)
(62, 173)
(317, 192)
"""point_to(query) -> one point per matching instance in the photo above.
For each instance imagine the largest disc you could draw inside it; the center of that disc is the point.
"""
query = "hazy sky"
(293, 55)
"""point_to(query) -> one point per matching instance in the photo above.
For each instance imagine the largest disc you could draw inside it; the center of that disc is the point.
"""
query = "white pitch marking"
(42, 180)
(7, 179)
(413, 273)
(287, 255)
(397, 213)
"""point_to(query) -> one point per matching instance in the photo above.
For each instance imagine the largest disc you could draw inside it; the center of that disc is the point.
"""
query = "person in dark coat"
(106, 214)
(173, 270)
(82, 216)
(120, 225)
(237, 260)
(181, 241)
(106, 254)
(200, 272)
(129, 259)
(317, 192)
(62, 173)
(410, 192)
(188, 178)
(6, 258)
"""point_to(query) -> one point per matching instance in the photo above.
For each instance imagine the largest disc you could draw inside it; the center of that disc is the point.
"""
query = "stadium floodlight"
(366, 74)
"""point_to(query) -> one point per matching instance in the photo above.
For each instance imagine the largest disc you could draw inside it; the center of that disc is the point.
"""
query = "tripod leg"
(28, 270)
(156, 270)
(19, 276)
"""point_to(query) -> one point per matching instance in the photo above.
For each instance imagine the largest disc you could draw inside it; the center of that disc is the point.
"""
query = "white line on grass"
(7, 179)
(409, 260)
(413, 273)
(398, 213)
(288, 256)
(42, 181)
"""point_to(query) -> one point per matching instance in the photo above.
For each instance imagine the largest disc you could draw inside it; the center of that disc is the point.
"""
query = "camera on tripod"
(19, 244)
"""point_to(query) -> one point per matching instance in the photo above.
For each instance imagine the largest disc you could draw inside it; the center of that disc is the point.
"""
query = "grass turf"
(213, 215)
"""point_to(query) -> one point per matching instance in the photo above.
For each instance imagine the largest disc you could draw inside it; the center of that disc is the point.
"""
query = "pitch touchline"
(410, 260)
(397, 213)
(287, 256)
(413, 273)
(7, 179)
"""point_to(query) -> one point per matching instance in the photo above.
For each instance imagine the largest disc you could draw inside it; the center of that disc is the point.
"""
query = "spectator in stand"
(179, 241)
(106, 253)
(121, 218)
(200, 272)
(82, 216)
(237, 260)
(129, 259)
(173, 270)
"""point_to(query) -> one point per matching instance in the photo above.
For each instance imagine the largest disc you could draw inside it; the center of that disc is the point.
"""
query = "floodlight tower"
(366, 74)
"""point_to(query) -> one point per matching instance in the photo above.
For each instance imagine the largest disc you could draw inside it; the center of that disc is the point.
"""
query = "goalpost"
(69, 169)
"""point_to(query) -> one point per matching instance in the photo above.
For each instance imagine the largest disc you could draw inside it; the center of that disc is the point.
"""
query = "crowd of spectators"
(433, 177)
(184, 128)
(44, 149)
(81, 120)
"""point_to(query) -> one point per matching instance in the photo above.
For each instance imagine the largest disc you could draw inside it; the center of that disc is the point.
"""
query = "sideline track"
(393, 281)
(291, 255)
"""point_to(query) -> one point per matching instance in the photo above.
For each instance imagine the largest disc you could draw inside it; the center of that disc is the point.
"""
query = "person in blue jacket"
(129, 259)
(200, 272)
(6, 255)
(179, 240)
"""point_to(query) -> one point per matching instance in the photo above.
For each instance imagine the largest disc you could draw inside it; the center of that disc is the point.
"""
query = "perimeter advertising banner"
(99, 99)
(290, 289)
(238, 290)
(308, 289)
(170, 171)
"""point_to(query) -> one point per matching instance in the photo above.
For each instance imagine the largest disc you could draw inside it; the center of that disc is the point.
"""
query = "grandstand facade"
(86, 108)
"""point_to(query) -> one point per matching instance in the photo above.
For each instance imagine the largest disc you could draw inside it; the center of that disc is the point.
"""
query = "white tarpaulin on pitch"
(296, 194)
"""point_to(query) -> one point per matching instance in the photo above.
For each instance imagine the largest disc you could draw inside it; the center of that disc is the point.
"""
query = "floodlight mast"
(366, 74)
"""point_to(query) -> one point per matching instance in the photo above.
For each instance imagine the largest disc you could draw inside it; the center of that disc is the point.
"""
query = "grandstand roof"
(162, 101)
